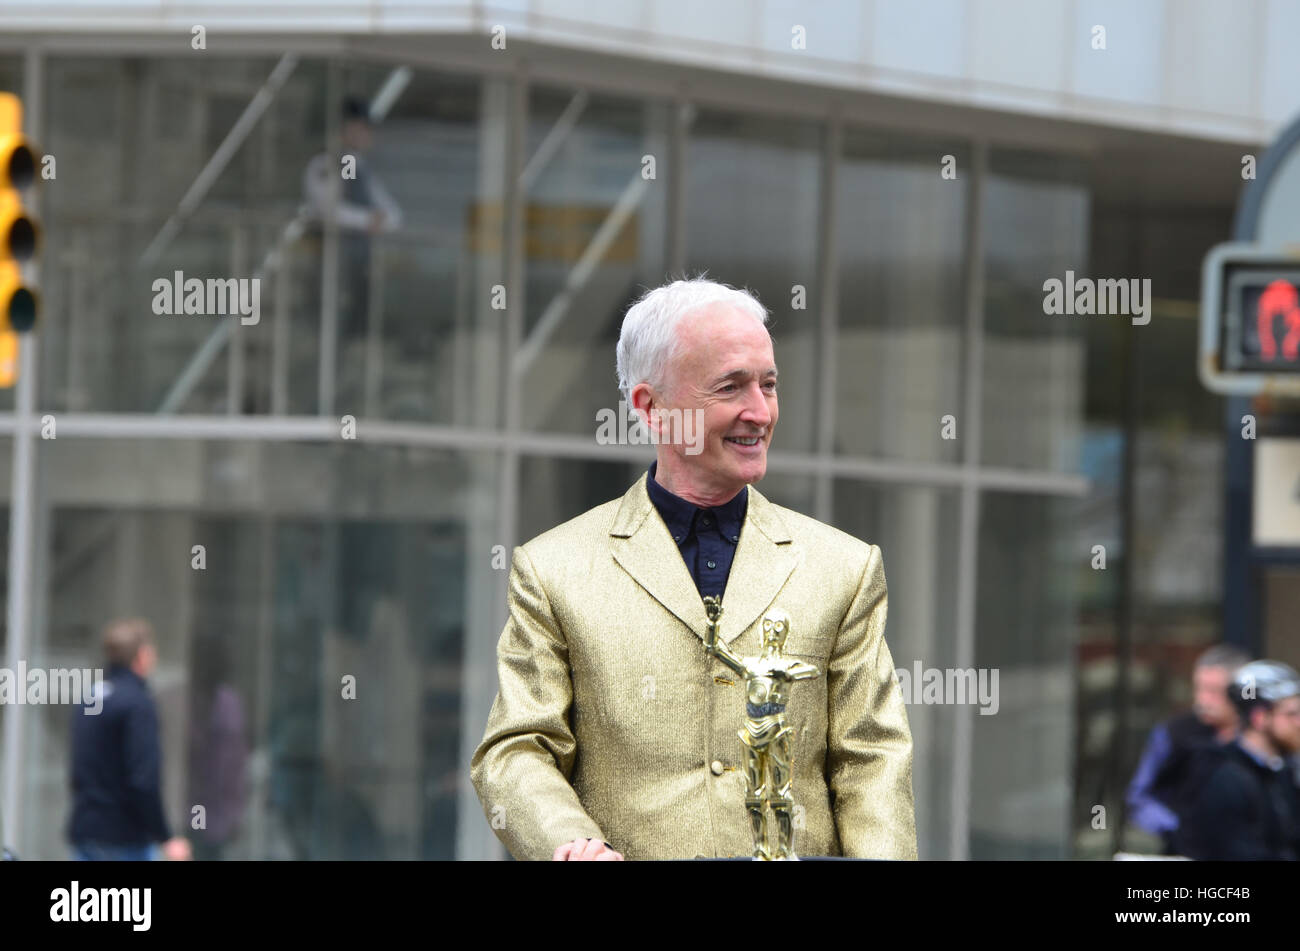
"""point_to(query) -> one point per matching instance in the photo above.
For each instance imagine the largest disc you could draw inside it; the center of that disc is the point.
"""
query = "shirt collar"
(679, 515)
(1274, 763)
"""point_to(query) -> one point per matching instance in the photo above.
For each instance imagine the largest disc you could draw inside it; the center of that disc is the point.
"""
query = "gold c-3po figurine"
(768, 739)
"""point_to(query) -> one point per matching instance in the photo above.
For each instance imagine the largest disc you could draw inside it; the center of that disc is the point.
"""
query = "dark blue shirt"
(706, 537)
(117, 767)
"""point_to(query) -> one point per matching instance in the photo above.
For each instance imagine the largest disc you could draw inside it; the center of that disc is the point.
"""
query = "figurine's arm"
(801, 671)
(713, 608)
(724, 654)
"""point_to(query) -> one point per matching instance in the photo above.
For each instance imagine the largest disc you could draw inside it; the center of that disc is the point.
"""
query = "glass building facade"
(324, 497)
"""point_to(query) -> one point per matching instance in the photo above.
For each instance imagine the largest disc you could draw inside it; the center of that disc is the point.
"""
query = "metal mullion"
(675, 230)
(515, 202)
(968, 530)
(329, 277)
(828, 295)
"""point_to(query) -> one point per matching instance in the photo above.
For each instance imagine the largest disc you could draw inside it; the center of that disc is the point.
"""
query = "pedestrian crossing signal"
(1250, 320)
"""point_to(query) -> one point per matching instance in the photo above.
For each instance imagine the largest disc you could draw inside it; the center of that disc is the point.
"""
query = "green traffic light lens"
(22, 310)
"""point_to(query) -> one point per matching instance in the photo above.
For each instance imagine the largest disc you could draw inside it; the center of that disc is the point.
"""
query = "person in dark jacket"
(1163, 785)
(343, 186)
(117, 808)
(1249, 806)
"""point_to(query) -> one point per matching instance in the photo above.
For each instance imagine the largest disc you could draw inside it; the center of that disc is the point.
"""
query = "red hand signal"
(1279, 297)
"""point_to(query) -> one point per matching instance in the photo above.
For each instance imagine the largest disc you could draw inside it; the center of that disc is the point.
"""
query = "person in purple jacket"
(1161, 792)
(218, 748)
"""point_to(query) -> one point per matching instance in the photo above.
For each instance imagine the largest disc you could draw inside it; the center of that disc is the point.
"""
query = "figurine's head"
(776, 625)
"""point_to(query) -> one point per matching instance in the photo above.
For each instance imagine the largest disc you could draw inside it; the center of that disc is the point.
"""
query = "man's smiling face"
(726, 369)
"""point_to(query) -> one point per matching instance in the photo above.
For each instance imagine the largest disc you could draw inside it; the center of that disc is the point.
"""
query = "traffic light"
(19, 233)
(1250, 320)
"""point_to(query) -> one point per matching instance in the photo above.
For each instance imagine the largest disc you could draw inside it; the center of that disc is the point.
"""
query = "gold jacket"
(612, 723)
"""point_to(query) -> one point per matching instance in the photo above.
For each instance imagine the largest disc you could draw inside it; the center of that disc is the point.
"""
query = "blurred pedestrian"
(1249, 806)
(340, 185)
(218, 749)
(1164, 784)
(117, 807)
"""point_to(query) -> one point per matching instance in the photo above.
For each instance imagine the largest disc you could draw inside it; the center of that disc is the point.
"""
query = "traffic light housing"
(19, 231)
(1250, 320)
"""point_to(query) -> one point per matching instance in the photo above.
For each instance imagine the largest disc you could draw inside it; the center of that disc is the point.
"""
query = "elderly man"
(614, 731)
(1167, 784)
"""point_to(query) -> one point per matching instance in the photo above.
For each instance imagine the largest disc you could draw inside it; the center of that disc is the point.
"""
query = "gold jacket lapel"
(765, 557)
(647, 552)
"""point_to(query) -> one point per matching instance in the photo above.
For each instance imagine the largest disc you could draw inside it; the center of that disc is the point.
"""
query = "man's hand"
(177, 849)
(584, 850)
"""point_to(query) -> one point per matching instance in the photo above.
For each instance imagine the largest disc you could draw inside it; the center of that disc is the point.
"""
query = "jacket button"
(717, 767)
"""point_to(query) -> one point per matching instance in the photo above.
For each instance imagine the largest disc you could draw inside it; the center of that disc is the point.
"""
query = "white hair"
(649, 339)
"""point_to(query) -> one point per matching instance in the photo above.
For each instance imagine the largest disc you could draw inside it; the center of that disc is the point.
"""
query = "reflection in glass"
(901, 245)
(1035, 224)
(1025, 627)
(916, 529)
(594, 241)
(410, 294)
(311, 656)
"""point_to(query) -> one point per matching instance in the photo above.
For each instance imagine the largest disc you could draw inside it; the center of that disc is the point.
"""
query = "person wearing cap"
(1249, 807)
